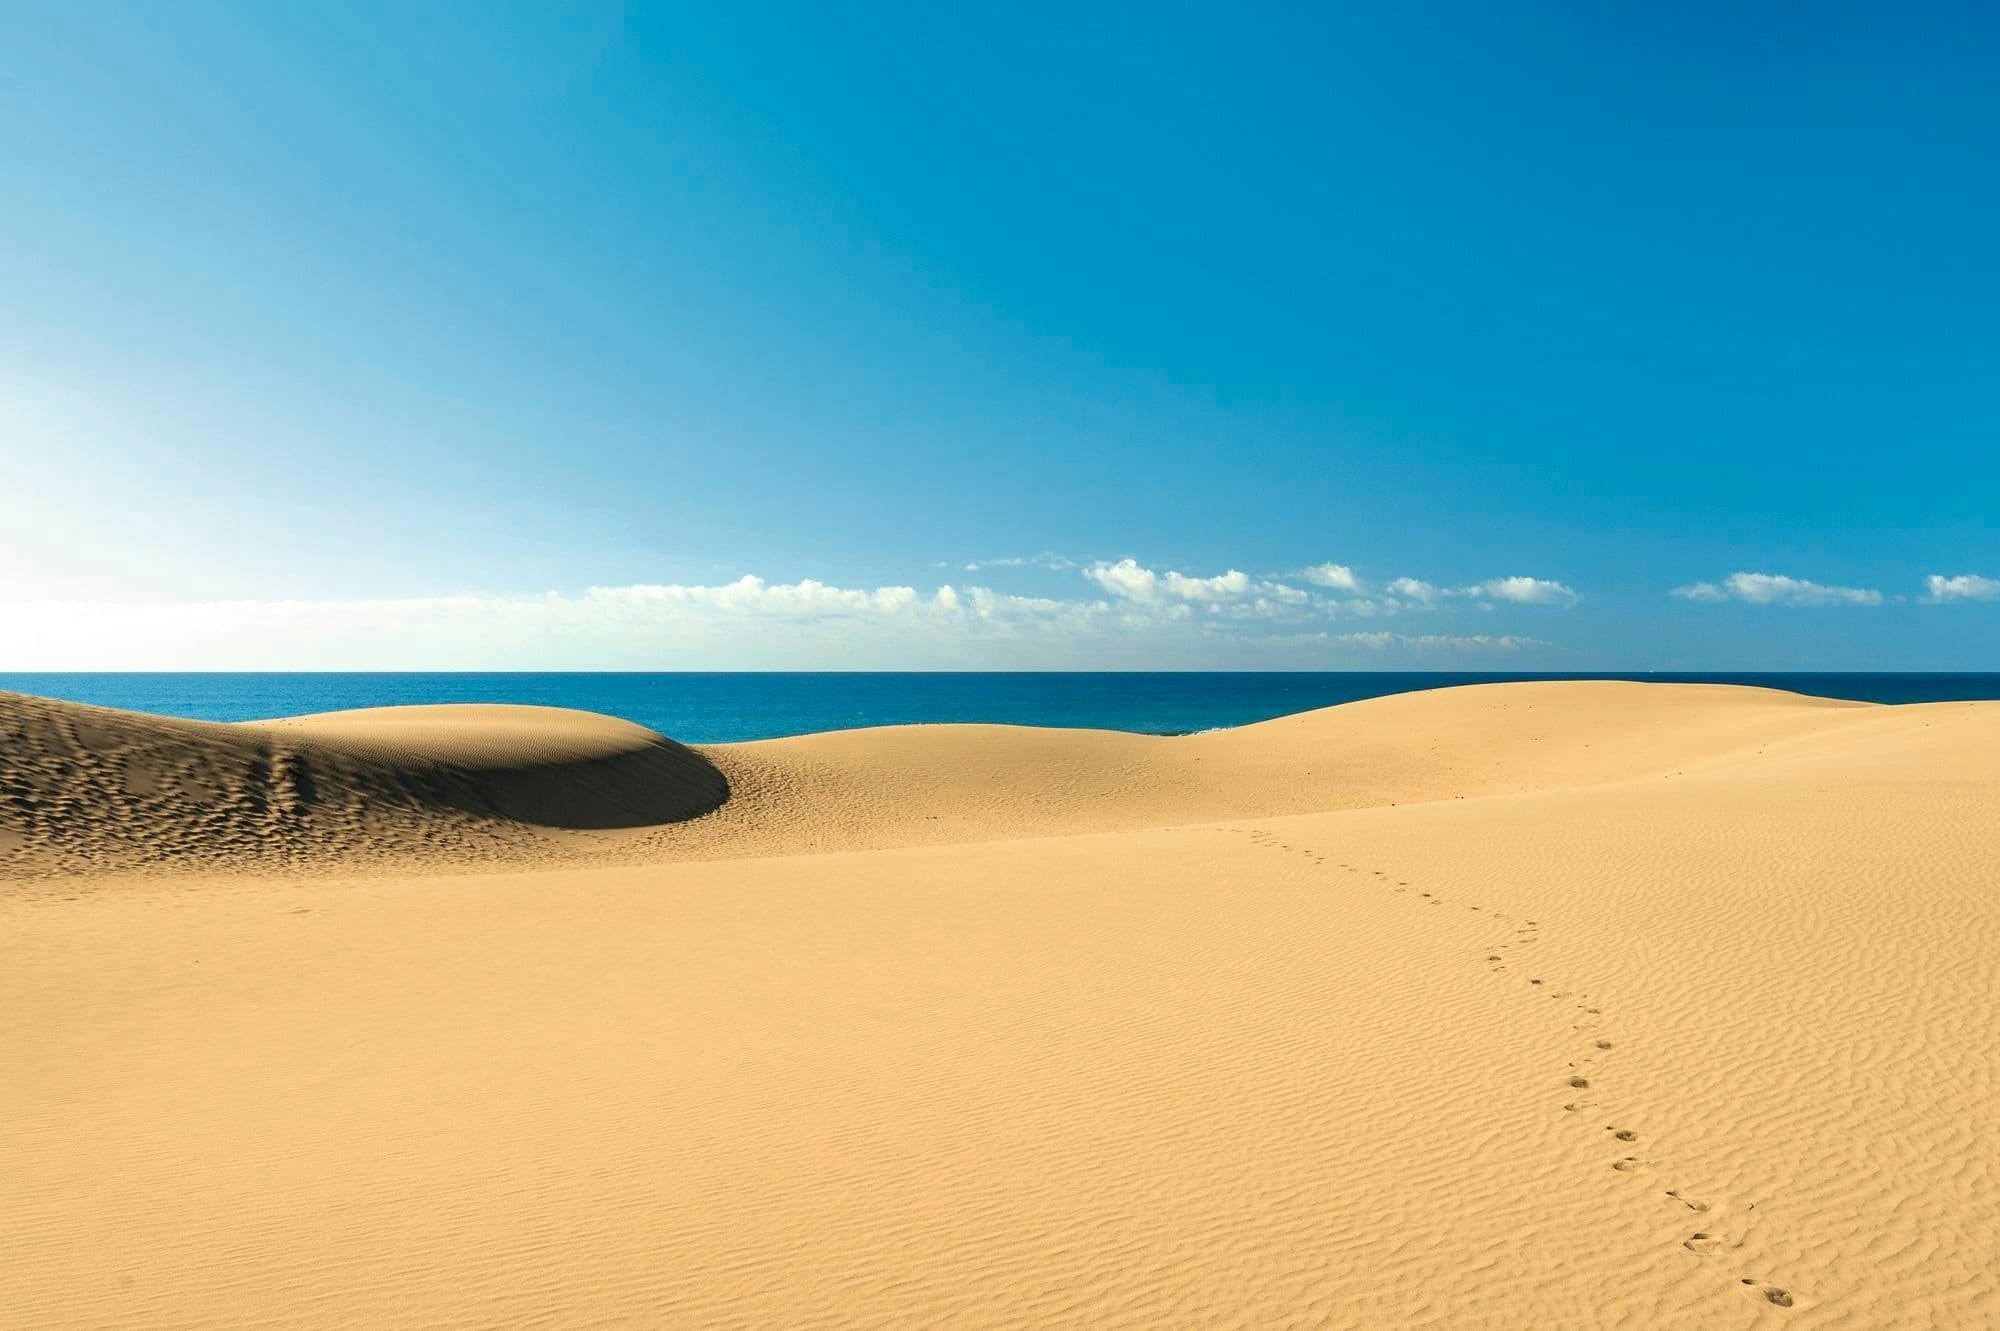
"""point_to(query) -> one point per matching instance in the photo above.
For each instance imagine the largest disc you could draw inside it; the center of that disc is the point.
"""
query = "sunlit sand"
(1523, 1005)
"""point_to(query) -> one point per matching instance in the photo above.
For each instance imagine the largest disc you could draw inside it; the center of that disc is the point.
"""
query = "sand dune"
(87, 790)
(479, 787)
(1517, 1006)
(937, 785)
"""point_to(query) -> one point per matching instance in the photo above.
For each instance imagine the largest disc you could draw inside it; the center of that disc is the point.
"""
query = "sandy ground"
(1565, 1005)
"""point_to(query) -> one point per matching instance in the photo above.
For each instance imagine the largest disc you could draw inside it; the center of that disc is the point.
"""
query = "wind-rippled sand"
(1528, 1005)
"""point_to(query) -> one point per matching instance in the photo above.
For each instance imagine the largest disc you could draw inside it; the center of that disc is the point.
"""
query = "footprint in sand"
(1769, 1293)
(1689, 1202)
(1708, 1242)
(1579, 1083)
(1631, 1164)
(1623, 1134)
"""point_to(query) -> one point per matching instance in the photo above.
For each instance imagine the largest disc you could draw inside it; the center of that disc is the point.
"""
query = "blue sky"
(717, 336)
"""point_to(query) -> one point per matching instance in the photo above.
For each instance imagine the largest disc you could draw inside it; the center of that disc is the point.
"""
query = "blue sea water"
(716, 708)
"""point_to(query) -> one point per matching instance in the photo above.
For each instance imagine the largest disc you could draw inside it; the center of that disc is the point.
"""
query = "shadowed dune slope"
(90, 789)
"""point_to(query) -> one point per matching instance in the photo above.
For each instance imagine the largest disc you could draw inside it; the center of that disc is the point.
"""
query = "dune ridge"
(89, 790)
(473, 788)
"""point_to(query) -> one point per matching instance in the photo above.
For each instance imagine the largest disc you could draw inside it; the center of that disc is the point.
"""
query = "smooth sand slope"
(1517, 1006)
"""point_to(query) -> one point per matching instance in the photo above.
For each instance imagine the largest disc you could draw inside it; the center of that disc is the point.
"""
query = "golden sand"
(1535, 1005)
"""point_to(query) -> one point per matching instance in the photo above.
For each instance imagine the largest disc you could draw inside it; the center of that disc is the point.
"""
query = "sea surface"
(716, 708)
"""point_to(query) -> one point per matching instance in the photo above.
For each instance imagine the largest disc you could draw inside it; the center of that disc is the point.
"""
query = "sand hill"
(1563, 1005)
(96, 791)
(88, 790)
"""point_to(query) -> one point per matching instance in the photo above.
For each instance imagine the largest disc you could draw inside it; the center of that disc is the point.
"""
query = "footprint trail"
(1722, 1230)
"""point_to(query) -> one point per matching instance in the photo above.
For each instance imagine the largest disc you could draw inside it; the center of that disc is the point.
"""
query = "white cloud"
(1222, 587)
(1518, 590)
(1526, 591)
(1414, 589)
(1133, 581)
(1047, 559)
(1288, 604)
(988, 604)
(752, 595)
(1337, 576)
(1126, 578)
(1777, 589)
(1964, 587)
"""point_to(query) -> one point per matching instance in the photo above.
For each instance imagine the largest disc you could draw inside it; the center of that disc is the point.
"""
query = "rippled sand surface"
(1537, 1005)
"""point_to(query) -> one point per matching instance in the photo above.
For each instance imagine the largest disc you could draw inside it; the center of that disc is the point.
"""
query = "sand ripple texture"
(91, 790)
(1696, 1043)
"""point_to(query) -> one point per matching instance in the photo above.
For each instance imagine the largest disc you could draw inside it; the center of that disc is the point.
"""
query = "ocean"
(717, 708)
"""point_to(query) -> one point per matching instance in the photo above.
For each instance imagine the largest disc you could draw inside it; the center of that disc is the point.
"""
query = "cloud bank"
(1138, 618)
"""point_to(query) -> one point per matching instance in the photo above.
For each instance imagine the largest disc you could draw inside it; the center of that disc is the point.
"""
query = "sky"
(741, 336)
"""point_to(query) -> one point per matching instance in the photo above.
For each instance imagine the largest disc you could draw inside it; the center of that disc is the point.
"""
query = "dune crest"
(87, 790)
(877, 789)
(459, 788)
